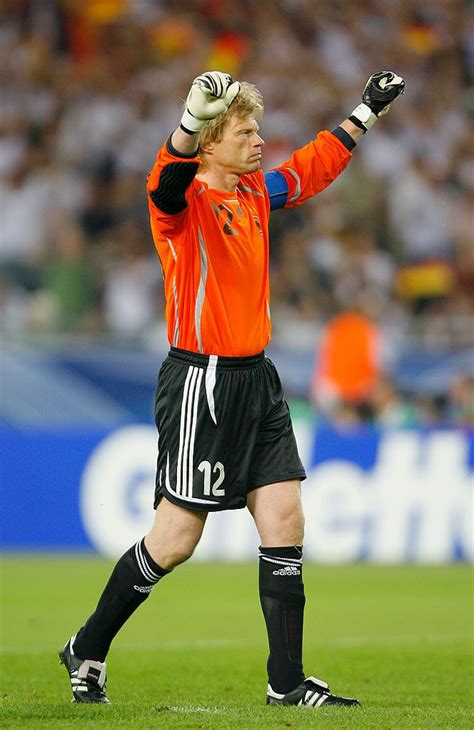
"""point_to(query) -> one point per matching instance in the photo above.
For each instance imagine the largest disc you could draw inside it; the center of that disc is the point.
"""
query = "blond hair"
(248, 101)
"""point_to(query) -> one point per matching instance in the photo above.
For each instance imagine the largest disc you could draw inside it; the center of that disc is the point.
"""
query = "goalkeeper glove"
(211, 94)
(380, 90)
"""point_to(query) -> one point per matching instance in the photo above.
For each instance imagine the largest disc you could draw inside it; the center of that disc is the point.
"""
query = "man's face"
(240, 149)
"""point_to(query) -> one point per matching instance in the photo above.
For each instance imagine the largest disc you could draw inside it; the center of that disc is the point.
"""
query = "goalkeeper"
(225, 438)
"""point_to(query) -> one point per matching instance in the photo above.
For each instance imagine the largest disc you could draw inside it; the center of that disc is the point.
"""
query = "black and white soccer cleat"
(87, 677)
(310, 693)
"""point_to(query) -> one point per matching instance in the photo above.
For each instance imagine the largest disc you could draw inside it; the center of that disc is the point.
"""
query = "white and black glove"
(380, 90)
(211, 94)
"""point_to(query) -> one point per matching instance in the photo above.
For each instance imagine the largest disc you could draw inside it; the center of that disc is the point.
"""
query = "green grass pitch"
(193, 656)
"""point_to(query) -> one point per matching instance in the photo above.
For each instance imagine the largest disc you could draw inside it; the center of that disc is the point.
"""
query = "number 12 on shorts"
(208, 471)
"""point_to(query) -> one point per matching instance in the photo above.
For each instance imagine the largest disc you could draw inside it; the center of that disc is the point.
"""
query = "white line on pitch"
(348, 642)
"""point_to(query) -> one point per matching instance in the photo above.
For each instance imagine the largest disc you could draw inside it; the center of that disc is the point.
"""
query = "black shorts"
(224, 429)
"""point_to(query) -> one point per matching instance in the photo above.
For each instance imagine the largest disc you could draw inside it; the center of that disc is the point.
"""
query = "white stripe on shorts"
(210, 384)
(187, 431)
(193, 433)
(187, 434)
(182, 427)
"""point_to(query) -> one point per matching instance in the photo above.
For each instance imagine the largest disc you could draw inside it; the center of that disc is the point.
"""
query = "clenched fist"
(211, 94)
(380, 91)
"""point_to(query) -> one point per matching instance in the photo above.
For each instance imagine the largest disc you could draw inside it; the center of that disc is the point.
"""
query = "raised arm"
(177, 162)
(313, 167)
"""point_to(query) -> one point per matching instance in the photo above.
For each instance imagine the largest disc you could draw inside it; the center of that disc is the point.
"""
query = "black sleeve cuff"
(173, 151)
(344, 137)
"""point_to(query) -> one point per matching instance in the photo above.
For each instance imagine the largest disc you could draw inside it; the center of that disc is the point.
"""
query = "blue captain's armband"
(277, 188)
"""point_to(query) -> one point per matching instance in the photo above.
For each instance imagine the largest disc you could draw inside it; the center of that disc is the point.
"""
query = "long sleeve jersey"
(214, 245)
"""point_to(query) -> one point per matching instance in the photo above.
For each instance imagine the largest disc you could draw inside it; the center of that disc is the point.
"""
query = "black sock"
(282, 599)
(129, 585)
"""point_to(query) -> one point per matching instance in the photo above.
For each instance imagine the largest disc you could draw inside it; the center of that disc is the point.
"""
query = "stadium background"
(89, 91)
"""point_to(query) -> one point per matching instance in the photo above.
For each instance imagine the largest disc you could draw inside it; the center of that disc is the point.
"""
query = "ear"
(207, 148)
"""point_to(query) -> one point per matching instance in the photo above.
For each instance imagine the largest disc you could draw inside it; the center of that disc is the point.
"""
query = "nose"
(258, 140)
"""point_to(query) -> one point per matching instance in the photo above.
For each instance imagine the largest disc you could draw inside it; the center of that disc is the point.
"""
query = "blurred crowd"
(91, 88)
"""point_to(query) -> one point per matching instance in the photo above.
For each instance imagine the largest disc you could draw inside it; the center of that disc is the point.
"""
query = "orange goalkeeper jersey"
(213, 245)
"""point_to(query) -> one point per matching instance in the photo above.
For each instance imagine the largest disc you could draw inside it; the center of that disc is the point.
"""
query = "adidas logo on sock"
(144, 589)
(288, 570)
